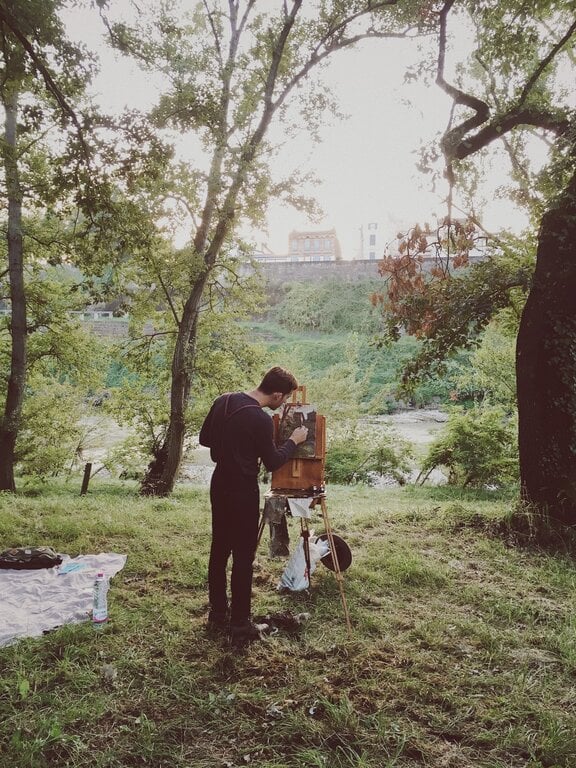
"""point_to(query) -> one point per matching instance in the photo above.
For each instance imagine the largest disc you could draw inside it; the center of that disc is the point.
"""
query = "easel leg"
(337, 572)
(305, 533)
(260, 529)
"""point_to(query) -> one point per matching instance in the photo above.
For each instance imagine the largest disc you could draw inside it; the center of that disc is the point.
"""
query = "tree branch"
(331, 43)
(277, 55)
(453, 136)
(169, 299)
(45, 243)
(557, 124)
(340, 28)
(244, 19)
(12, 24)
(545, 62)
(184, 203)
(456, 144)
(214, 33)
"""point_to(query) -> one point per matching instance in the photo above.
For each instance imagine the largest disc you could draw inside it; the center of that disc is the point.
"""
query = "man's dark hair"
(278, 380)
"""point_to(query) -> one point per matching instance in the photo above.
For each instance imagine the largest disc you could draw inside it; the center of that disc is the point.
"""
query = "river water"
(417, 426)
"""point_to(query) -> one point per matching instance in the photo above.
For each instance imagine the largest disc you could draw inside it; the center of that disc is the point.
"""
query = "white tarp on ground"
(35, 601)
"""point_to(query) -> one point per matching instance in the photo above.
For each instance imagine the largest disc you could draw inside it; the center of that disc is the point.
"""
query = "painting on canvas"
(299, 416)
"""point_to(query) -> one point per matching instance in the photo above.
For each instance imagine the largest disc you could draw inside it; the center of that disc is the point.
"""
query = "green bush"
(490, 375)
(354, 457)
(65, 363)
(478, 447)
(330, 306)
(50, 437)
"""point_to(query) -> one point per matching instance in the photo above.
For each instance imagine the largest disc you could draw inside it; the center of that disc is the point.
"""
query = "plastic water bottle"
(100, 601)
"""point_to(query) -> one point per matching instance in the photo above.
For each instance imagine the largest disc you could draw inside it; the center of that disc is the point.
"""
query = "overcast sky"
(366, 164)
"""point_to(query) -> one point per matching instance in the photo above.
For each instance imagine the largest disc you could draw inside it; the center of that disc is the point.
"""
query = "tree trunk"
(10, 423)
(163, 469)
(546, 369)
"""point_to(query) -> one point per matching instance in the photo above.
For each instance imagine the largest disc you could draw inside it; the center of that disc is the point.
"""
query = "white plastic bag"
(296, 576)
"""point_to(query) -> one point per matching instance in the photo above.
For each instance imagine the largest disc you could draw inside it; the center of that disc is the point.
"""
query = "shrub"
(330, 306)
(477, 446)
(49, 438)
(354, 457)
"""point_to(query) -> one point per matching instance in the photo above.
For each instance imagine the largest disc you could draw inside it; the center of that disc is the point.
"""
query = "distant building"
(305, 246)
(372, 245)
(314, 246)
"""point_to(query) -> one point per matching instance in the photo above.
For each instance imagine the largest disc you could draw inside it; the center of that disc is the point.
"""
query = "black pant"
(235, 513)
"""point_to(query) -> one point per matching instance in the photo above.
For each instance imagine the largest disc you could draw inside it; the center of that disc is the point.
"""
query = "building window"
(372, 255)
(372, 239)
(307, 244)
(327, 244)
(373, 225)
(295, 245)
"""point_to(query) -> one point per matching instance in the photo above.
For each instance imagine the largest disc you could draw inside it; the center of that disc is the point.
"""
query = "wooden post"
(86, 479)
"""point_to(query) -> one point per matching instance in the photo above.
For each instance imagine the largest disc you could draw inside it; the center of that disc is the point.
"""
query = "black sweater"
(238, 433)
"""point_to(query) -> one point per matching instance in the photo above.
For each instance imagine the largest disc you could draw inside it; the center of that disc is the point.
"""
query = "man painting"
(240, 434)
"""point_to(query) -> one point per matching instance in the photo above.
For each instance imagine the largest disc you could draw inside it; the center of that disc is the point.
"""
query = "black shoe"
(218, 621)
(247, 631)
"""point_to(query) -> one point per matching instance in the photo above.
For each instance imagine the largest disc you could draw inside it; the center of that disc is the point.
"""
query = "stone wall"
(312, 271)
(115, 329)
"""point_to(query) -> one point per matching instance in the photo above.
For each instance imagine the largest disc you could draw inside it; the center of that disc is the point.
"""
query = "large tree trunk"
(10, 423)
(546, 369)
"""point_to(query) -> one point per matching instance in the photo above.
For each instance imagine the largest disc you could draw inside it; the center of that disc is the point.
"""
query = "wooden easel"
(302, 473)
(303, 476)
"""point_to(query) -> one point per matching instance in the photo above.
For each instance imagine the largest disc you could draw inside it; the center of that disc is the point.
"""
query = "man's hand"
(299, 435)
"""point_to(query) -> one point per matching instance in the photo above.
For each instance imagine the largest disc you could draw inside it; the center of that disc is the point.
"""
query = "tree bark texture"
(10, 423)
(546, 369)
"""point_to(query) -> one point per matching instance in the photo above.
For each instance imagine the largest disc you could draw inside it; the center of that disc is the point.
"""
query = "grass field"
(463, 650)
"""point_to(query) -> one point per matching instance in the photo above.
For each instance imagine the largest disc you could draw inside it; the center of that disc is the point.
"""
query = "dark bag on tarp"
(29, 558)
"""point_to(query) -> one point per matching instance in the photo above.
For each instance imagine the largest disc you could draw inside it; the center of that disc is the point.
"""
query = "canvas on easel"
(294, 416)
(305, 470)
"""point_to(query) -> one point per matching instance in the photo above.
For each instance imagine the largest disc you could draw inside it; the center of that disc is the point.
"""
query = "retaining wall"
(311, 271)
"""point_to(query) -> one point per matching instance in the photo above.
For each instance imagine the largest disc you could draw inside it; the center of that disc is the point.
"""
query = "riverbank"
(418, 426)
